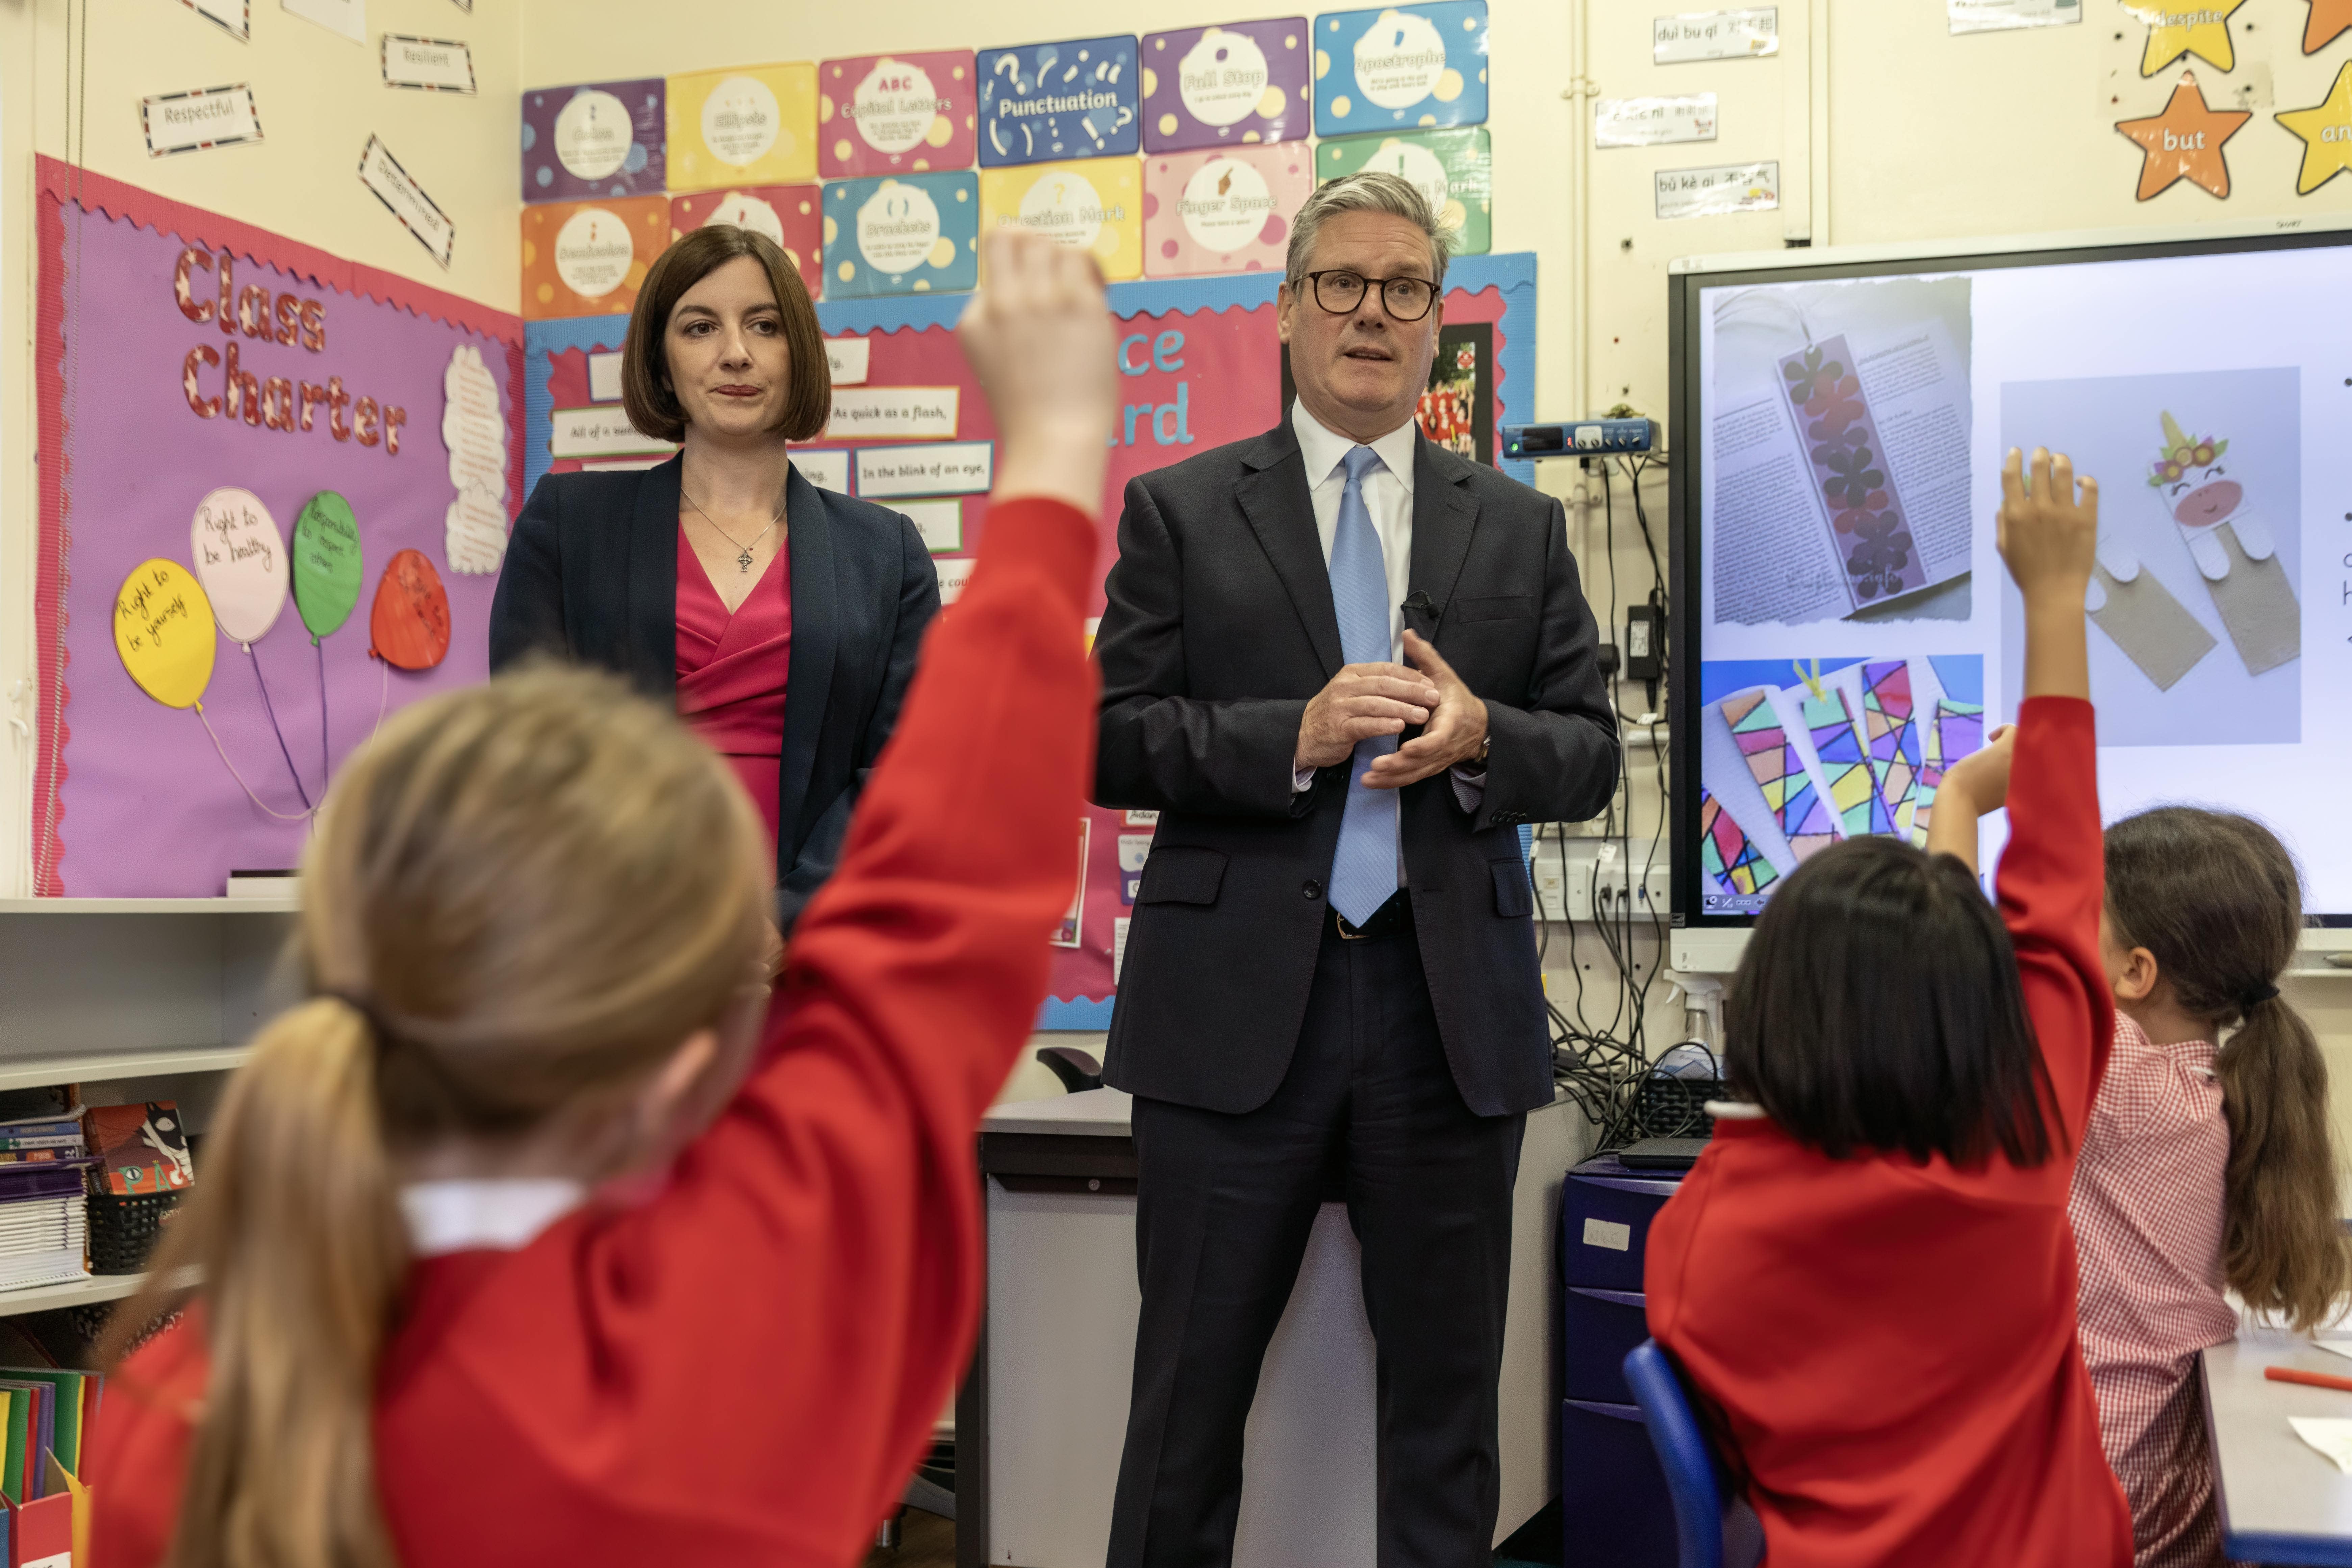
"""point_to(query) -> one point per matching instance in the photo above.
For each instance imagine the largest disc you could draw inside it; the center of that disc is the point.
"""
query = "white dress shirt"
(500, 1213)
(1388, 496)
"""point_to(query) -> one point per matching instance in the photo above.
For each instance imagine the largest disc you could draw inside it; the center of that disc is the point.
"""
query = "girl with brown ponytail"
(509, 1253)
(2208, 1162)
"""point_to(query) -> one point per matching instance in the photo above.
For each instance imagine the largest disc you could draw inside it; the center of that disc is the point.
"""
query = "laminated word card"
(788, 215)
(587, 258)
(1214, 86)
(881, 114)
(1096, 205)
(1412, 66)
(905, 236)
(1222, 211)
(1044, 102)
(750, 125)
(1455, 169)
(603, 139)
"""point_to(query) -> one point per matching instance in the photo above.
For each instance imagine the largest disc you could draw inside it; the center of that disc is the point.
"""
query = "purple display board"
(1220, 87)
(132, 799)
(599, 139)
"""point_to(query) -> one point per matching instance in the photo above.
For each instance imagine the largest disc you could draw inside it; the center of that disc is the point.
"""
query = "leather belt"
(1391, 919)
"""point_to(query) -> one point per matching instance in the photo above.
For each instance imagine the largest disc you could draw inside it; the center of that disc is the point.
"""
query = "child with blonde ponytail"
(2208, 1162)
(516, 1247)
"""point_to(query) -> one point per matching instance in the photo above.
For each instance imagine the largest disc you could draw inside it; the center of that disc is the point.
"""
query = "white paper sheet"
(2331, 1434)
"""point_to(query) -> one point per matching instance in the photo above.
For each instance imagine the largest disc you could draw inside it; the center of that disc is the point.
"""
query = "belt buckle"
(1347, 931)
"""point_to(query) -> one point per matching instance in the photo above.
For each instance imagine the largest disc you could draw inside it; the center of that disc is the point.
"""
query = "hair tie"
(2256, 997)
(364, 1006)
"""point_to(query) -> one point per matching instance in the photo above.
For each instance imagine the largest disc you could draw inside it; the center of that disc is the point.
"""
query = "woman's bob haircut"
(1878, 1010)
(645, 391)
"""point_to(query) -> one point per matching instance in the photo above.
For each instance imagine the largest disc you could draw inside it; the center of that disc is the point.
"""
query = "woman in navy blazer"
(783, 620)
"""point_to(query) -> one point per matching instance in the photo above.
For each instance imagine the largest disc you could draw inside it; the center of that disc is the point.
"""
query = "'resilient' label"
(591, 135)
(1399, 61)
(898, 227)
(1067, 209)
(592, 252)
(894, 106)
(740, 121)
(752, 212)
(1225, 203)
(1223, 78)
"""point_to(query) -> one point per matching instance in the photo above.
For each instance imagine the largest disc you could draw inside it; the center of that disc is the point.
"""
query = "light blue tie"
(1364, 870)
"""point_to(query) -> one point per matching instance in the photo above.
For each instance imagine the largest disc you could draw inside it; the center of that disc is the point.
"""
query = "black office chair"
(1077, 1070)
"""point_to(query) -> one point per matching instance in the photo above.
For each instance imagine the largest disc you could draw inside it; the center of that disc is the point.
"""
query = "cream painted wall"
(321, 97)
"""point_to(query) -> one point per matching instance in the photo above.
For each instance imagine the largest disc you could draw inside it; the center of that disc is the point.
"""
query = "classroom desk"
(2281, 1502)
(1042, 1417)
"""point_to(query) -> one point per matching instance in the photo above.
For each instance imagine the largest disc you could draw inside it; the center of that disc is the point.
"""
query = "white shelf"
(32, 1072)
(263, 904)
(74, 1293)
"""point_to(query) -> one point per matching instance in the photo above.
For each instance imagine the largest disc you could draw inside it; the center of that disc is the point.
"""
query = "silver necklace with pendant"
(742, 561)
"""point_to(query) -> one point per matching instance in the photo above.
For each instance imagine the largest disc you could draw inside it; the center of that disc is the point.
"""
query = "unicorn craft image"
(2233, 550)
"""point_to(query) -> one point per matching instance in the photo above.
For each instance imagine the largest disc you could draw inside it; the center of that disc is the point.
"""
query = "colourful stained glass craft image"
(1729, 856)
(1854, 794)
(1780, 772)
(1887, 713)
(1957, 731)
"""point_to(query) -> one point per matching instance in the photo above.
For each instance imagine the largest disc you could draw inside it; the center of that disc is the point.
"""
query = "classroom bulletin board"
(275, 489)
(1200, 364)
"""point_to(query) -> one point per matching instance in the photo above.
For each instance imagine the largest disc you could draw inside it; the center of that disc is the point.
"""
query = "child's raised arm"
(2048, 533)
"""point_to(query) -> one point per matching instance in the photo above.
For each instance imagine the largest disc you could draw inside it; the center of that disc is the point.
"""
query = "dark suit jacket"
(591, 574)
(1220, 627)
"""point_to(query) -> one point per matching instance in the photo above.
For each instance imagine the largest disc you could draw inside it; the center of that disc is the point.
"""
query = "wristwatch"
(1486, 743)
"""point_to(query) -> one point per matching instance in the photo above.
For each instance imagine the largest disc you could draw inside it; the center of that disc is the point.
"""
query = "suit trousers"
(1367, 1112)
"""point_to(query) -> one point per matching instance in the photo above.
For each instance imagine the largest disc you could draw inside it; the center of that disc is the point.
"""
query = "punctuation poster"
(318, 456)
(1200, 364)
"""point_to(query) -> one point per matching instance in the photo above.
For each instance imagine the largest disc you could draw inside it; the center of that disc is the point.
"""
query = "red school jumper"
(1892, 1345)
(744, 1369)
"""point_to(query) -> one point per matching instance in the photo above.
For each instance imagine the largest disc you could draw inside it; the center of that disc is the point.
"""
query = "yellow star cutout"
(2326, 132)
(2178, 28)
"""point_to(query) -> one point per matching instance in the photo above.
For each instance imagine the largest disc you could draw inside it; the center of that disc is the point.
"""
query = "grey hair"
(1375, 191)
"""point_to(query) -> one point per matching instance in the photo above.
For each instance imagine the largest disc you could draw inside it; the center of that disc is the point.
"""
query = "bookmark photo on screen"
(1839, 459)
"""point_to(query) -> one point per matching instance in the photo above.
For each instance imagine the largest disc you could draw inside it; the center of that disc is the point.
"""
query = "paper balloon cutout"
(240, 559)
(327, 569)
(410, 623)
(164, 629)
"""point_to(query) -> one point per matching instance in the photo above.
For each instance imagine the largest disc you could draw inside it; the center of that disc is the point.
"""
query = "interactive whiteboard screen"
(1845, 630)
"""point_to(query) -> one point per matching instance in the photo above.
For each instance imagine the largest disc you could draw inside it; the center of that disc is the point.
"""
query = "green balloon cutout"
(327, 566)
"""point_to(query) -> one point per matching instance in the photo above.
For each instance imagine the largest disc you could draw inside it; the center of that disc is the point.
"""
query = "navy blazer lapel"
(816, 639)
(1444, 514)
(1272, 492)
(652, 634)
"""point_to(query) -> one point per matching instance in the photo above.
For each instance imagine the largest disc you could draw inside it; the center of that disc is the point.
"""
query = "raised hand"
(2048, 526)
(1038, 334)
(2047, 532)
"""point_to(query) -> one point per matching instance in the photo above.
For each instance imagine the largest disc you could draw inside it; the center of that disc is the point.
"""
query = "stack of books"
(43, 1219)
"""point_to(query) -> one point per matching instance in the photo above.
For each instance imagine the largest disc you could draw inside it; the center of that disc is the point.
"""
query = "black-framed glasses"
(1340, 291)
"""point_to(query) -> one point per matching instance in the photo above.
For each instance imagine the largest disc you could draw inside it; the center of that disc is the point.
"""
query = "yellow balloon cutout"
(164, 629)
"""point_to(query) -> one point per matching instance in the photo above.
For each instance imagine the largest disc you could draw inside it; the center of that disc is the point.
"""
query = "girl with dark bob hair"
(779, 620)
(1869, 1274)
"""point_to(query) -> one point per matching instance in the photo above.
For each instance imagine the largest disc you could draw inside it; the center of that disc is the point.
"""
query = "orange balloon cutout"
(410, 624)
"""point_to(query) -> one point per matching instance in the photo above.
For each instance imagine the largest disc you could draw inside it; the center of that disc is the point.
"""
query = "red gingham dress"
(2147, 1213)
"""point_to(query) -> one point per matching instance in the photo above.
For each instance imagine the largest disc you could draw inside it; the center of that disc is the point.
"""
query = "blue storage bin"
(1605, 1212)
(1614, 1508)
(1598, 1327)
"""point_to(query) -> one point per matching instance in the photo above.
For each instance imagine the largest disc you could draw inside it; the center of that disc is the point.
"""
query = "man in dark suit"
(1330, 981)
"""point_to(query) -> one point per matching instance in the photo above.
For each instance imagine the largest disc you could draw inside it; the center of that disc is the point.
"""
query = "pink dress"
(2147, 1213)
(732, 672)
